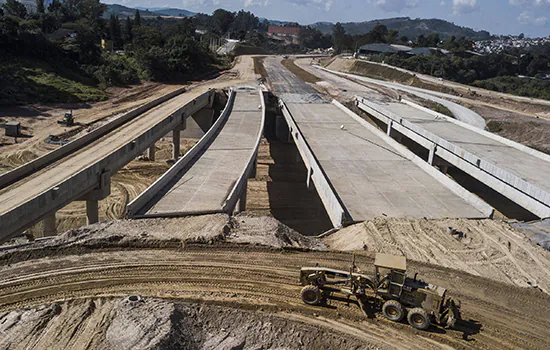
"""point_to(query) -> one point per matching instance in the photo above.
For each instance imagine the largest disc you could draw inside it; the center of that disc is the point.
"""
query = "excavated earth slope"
(101, 288)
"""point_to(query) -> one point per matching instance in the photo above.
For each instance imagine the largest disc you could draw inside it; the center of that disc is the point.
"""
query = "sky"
(531, 17)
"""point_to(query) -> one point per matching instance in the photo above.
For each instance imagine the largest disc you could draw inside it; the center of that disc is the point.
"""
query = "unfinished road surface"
(498, 157)
(264, 281)
(205, 183)
(368, 175)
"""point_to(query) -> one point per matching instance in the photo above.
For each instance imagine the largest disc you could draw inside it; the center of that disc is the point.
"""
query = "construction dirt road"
(97, 287)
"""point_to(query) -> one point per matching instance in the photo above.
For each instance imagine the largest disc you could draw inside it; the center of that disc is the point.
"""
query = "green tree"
(128, 31)
(15, 8)
(222, 20)
(137, 19)
(338, 37)
(40, 7)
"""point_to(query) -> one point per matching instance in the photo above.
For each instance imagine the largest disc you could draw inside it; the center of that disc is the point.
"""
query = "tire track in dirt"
(267, 279)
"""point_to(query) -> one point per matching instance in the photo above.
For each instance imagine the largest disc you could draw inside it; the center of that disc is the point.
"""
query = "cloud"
(248, 3)
(464, 6)
(321, 4)
(395, 5)
(527, 17)
(531, 10)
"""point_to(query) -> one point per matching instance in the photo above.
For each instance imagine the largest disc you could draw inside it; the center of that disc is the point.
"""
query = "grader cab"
(421, 302)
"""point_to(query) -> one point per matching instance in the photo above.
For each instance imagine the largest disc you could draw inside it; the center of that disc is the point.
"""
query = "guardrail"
(28, 168)
(133, 208)
(335, 209)
(530, 197)
(87, 179)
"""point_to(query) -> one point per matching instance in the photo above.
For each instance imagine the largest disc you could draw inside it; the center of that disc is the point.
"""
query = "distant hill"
(410, 28)
(123, 11)
(165, 11)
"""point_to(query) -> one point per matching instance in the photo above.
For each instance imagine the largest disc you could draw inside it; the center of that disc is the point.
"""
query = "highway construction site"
(198, 243)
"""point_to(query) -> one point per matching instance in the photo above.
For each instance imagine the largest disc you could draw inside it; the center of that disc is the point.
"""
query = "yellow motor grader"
(422, 303)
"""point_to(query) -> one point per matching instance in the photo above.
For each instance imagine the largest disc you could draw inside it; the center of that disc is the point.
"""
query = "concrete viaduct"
(35, 191)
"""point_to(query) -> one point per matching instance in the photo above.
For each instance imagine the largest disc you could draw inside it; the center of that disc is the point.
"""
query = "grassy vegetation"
(30, 81)
(259, 66)
(379, 72)
(299, 72)
(244, 49)
(529, 87)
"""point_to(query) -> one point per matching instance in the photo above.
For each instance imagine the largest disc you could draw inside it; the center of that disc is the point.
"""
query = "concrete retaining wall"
(75, 187)
(332, 203)
(41, 162)
(137, 204)
(518, 190)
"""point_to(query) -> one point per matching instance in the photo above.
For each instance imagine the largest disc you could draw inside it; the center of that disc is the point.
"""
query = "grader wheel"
(311, 295)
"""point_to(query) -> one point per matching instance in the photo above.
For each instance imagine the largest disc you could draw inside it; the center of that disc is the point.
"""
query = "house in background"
(289, 34)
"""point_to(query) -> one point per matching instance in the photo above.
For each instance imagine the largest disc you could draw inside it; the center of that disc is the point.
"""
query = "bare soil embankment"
(220, 295)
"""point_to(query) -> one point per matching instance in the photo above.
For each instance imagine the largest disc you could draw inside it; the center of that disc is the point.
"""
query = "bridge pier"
(93, 197)
(50, 228)
(92, 211)
(242, 200)
(176, 141)
(431, 155)
(151, 153)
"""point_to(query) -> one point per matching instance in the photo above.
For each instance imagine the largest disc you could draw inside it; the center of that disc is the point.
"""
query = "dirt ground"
(529, 131)
(488, 248)
(221, 295)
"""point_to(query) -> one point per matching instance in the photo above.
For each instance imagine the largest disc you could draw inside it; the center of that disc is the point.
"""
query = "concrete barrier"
(89, 178)
(335, 209)
(240, 185)
(518, 190)
(475, 201)
(53, 156)
(133, 208)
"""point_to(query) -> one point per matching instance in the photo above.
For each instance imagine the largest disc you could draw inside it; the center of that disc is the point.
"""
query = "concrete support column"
(50, 228)
(254, 170)
(388, 131)
(431, 155)
(242, 201)
(309, 178)
(92, 211)
(151, 153)
(176, 141)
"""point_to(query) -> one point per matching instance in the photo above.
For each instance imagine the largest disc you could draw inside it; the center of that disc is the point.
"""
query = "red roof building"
(283, 31)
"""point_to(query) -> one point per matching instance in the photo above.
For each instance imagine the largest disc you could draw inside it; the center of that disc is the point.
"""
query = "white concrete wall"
(330, 200)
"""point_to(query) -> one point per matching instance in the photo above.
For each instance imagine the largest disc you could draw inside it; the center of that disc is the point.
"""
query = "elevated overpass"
(212, 177)
(358, 171)
(83, 173)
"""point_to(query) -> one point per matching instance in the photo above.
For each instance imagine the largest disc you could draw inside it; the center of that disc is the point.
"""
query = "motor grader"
(400, 296)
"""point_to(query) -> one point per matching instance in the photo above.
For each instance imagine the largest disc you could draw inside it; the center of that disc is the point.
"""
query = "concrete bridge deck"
(215, 177)
(515, 171)
(361, 168)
